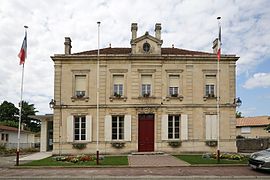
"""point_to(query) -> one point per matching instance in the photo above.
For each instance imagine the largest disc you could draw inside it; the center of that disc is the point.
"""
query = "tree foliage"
(9, 115)
(238, 114)
(8, 112)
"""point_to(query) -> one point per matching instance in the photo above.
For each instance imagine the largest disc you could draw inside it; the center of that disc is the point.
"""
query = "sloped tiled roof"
(13, 129)
(168, 51)
(253, 121)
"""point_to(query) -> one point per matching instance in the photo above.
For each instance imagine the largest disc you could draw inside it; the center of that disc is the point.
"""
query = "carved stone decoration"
(147, 110)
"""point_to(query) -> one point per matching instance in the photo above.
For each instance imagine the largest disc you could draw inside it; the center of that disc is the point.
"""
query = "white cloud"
(258, 80)
(188, 24)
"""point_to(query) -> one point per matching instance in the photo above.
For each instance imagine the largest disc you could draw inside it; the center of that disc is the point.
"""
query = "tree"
(238, 114)
(9, 115)
(8, 112)
(28, 110)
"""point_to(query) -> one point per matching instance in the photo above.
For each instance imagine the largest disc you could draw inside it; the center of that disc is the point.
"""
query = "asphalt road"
(225, 172)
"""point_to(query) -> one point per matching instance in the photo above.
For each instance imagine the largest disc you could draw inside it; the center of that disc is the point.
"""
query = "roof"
(169, 51)
(253, 121)
(13, 129)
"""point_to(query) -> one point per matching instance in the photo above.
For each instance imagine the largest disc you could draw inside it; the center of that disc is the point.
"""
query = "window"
(245, 130)
(211, 126)
(118, 81)
(173, 85)
(7, 137)
(146, 85)
(210, 90)
(79, 128)
(210, 83)
(80, 86)
(117, 127)
(2, 137)
(173, 127)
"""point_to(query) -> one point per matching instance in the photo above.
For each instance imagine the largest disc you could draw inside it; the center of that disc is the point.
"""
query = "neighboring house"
(9, 137)
(150, 99)
(253, 127)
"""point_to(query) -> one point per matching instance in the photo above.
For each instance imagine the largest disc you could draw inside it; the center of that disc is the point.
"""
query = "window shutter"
(89, 128)
(146, 79)
(70, 129)
(184, 127)
(174, 80)
(208, 128)
(108, 128)
(127, 128)
(164, 127)
(80, 83)
(214, 126)
(118, 79)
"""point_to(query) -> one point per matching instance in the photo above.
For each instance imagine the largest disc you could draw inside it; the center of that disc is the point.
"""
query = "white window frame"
(174, 126)
(118, 89)
(118, 127)
(209, 91)
(80, 118)
(173, 91)
(146, 89)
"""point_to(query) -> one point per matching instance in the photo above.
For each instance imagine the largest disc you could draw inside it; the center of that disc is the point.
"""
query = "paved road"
(129, 173)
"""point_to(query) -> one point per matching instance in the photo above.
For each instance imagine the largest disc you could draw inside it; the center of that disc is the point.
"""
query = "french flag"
(23, 52)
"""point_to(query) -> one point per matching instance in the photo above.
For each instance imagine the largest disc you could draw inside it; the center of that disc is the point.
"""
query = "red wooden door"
(146, 133)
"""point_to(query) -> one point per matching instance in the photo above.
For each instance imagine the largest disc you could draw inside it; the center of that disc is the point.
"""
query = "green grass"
(197, 159)
(107, 161)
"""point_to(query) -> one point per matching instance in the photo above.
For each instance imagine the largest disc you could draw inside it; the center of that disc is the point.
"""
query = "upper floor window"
(210, 90)
(173, 85)
(117, 127)
(80, 86)
(173, 127)
(118, 85)
(210, 85)
(146, 85)
(79, 128)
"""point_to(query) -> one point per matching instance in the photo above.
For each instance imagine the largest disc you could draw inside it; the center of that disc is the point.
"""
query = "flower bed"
(75, 159)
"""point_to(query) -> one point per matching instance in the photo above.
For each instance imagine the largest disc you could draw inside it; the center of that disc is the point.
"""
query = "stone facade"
(146, 62)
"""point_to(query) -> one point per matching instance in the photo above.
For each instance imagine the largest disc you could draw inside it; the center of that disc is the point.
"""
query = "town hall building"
(150, 99)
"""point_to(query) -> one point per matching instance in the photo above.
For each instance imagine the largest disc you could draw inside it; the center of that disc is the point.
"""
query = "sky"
(187, 24)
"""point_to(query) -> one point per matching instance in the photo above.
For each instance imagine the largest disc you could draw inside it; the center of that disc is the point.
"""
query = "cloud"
(188, 24)
(258, 80)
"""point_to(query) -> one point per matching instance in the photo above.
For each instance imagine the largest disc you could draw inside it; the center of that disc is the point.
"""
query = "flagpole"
(20, 113)
(218, 93)
(97, 128)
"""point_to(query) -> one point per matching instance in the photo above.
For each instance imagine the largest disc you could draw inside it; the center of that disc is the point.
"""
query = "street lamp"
(237, 102)
(52, 103)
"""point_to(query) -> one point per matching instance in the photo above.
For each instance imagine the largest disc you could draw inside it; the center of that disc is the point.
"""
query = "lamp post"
(52, 103)
(237, 102)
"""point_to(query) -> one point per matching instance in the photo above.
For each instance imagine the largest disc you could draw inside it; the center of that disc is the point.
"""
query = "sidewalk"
(36, 156)
(161, 160)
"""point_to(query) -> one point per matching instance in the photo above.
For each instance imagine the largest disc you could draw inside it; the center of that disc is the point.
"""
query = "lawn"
(107, 161)
(198, 159)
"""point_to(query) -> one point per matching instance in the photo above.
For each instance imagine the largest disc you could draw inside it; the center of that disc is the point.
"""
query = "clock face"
(146, 47)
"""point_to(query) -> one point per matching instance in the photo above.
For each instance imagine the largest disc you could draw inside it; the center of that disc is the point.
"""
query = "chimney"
(67, 45)
(134, 29)
(215, 46)
(158, 30)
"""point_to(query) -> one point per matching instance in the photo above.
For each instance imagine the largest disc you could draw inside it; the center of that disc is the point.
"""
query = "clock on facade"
(146, 47)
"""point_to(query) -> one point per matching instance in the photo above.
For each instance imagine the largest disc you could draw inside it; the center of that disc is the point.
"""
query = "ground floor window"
(173, 126)
(117, 127)
(79, 128)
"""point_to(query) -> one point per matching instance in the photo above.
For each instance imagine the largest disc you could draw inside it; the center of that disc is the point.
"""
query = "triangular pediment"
(146, 45)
